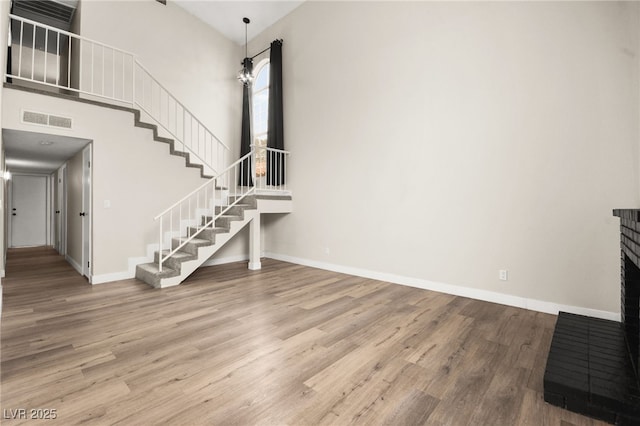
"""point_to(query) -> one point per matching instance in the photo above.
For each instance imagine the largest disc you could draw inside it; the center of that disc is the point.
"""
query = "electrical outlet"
(503, 275)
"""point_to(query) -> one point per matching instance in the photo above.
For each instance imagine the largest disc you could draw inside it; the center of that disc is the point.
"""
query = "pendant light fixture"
(246, 73)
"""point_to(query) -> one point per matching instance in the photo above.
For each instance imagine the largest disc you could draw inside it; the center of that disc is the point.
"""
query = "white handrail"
(171, 120)
(202, 186)
(206, 194)
(271, 149)
(178, 102)
(67, 33)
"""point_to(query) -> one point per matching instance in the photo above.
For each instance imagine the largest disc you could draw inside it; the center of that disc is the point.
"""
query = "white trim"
(2, 273)
(127, 275)
(224, 260)
(10, 193)
(73, 263)
(113, 276)
(87, 202)
(473, 293)
(255, 266)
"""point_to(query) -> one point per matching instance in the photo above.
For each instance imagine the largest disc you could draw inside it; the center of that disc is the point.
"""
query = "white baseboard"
(472, 293)
(75, 264)
(255, 266)
(114, 276)
(2, 273)
(127, 275)
(223, 260)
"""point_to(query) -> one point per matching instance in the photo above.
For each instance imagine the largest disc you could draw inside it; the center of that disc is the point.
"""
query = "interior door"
(60, 212)
(28, 211)
(86, 211)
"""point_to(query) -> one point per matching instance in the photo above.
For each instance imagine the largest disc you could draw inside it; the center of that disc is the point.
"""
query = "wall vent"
(57, 121)
(43, 119)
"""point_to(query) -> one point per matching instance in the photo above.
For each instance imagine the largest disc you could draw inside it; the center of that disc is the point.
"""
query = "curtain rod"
(268, 48)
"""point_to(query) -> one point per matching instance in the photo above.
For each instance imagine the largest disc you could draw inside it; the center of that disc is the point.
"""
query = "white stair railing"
(270, 168)
(183, 221)
(193, 136)
(48, 56)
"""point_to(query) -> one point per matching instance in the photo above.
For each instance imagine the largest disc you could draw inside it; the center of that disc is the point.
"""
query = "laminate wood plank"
(537, 369)
(414, 409)
(439, 348)
(468, 390)
(501, 402)
(286, 345)
(440, 375)
(352, 322)
(313, 317)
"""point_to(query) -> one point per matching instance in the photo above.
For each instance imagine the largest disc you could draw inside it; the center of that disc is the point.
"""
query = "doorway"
(60, 165)
(86, 212)
(29, 199)
(61, 210)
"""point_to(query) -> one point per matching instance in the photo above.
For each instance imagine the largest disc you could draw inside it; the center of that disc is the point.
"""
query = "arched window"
(261, 115)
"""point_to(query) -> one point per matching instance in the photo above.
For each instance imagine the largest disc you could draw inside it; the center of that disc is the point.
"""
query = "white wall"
(443, 141)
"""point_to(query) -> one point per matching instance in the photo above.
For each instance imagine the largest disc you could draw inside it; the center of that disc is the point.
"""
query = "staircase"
(197, 226)
(194, 228)
(206, 240)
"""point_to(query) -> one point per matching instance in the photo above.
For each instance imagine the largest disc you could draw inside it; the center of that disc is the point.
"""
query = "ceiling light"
(246, 73)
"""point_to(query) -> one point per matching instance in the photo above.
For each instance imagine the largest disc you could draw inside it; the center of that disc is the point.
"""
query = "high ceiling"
(226, 16)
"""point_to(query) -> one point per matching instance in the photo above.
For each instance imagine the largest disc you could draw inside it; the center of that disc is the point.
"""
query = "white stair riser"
(204, 253)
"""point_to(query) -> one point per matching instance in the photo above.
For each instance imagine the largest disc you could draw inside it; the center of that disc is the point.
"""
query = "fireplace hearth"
(592, 368)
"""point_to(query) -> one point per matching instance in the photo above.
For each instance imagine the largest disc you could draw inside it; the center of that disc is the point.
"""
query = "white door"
(28, 211)
(61, 211)
(86, 211)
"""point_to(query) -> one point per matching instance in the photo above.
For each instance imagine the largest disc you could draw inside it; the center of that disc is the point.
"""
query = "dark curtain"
(275, 134)
(244, 173)
(12, 24)
(9, 67)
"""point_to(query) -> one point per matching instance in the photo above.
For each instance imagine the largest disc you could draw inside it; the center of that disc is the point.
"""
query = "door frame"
(86, 209)
(48, 206)
(61, 218)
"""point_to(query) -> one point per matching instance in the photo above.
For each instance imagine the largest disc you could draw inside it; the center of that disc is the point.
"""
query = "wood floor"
(285, 345)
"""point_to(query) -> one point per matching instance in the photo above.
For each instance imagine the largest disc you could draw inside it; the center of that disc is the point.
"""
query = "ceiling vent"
(49, 120)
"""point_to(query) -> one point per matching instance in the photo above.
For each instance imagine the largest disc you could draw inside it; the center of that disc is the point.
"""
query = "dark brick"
(589, 369)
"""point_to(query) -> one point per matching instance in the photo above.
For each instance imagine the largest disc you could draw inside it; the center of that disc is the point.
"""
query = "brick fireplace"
(630, 277)
(592, 366)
